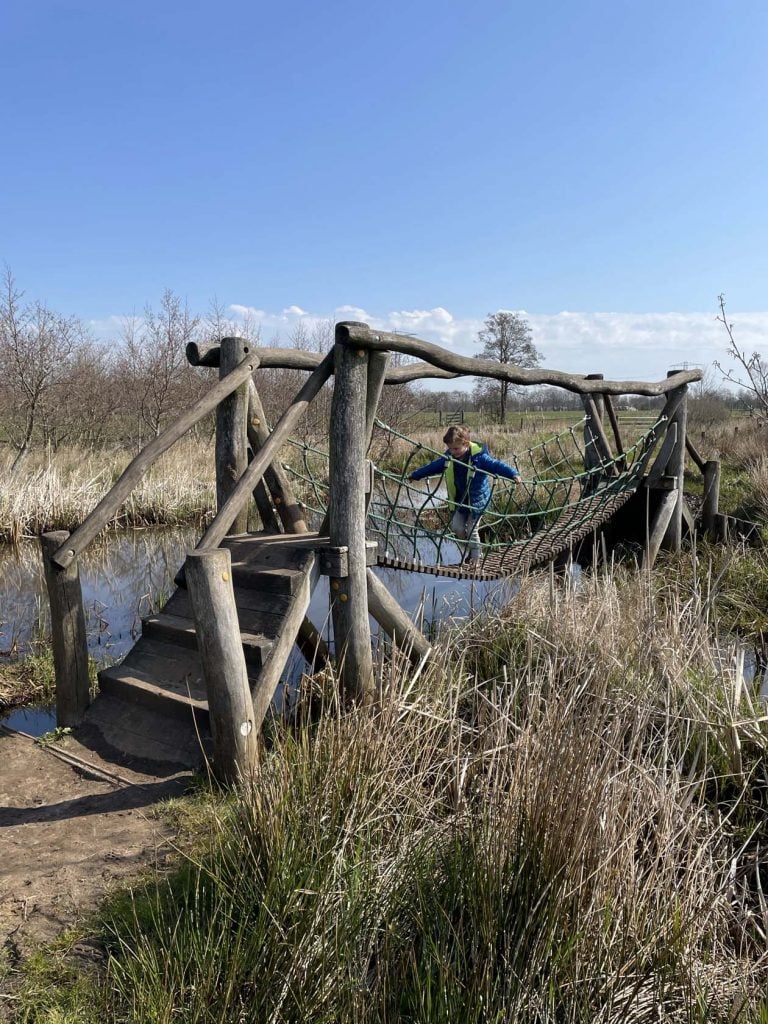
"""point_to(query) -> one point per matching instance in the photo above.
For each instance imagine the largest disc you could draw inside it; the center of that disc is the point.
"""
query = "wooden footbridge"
(215, 653)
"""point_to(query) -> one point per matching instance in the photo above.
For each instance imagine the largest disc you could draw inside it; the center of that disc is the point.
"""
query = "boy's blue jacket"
(466, 486)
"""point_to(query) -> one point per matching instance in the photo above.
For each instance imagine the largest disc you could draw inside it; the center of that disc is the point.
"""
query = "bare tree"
(159, 381)
(37, 349)
(507, 338)
(84, 412)
(753, 376)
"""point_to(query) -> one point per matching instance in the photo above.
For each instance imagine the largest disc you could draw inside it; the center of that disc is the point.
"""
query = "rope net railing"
(555, 503)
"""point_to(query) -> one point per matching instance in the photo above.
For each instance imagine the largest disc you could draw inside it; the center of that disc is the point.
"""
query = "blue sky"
(599, 165)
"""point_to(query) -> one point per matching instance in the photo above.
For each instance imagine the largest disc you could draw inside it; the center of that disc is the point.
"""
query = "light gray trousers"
(464, 524)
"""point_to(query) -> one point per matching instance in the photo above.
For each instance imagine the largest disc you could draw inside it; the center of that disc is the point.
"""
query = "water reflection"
(124, 576)
(127, 575)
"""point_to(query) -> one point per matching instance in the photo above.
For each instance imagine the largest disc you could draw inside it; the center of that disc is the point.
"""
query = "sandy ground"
(67, 836)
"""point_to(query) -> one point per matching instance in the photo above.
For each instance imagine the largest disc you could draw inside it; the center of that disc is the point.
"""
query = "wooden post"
(660, 526)
(597, 397)
(394, 621)
(267, 514)
(597, 450)
(673, 538)
(347, 517)
(614, 421)
(231, 437)
(377, 370)
(233, 726)
(70, 647)
(711, 503)
(275, 477)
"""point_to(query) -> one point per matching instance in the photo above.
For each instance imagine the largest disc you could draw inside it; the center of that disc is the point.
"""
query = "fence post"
(70, 647)
(711, 503)
(347, 474)
(234, 730)
(673, 537)
(231, 436)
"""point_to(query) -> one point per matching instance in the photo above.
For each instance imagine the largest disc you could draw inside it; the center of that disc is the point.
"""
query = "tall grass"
(559, 822)
(57, 491)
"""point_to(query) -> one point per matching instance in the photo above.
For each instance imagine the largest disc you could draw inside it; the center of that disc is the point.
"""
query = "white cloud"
(622, 346)
(247, 312)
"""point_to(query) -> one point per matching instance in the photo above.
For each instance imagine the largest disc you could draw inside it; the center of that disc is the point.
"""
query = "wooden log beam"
(234, 728)
(377, 372)
(356, 336)
(613, 419)
(296, 628)
(690, 447)
(290, 512)
(659, 526)
(660, 463)
(111, 502)
(68, 638)
(267, 514)
(231, 436)
(394, 621)
(217, 531)
(673, 538)
(440, 363)
(203, 353)
(710, 507)
(208, 354)
(349, 595)
(595, 428)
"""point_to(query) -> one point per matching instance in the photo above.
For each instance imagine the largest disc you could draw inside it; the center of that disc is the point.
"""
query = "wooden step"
(180, 631)
(259, 614)
(163, 677)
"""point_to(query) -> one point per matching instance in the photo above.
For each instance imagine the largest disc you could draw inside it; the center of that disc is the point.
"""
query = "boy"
(466, 465)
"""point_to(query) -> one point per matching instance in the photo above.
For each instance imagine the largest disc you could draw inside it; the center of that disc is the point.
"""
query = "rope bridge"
(557, 502)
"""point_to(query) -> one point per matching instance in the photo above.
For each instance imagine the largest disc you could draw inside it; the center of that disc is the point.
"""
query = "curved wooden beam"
(201, 353)
(364, 337)
(440, 363)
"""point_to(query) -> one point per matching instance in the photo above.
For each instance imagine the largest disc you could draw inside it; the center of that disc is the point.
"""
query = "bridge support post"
(70, 647)
(348, 478)
(233, 727)
(673, 537)
(394, 621)
(711, 496)
(231, 437)
(276, 479)
(597, 450)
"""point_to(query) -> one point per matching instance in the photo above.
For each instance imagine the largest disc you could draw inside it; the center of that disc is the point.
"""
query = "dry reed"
(57, 491)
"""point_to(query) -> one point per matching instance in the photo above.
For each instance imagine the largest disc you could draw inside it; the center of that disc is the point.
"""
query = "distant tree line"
(59, 386)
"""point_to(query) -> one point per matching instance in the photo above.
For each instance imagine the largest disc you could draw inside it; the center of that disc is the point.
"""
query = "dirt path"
(67, 836)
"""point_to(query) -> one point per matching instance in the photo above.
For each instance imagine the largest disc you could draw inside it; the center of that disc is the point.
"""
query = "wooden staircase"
(273, 578)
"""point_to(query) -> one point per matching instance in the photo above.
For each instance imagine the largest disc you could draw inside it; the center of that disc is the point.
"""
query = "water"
(124, 577)
(33, 721)
(128, 575)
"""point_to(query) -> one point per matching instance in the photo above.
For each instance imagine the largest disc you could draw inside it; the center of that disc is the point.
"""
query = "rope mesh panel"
(556, 503)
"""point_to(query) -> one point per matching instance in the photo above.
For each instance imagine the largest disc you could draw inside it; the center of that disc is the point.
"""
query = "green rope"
(555, 497)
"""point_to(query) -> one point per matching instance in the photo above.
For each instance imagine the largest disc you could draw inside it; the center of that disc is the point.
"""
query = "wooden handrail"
(363, 337)
(94, 523)
(205, 354)
(694, 453)
(226, 515)
(440, 363)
